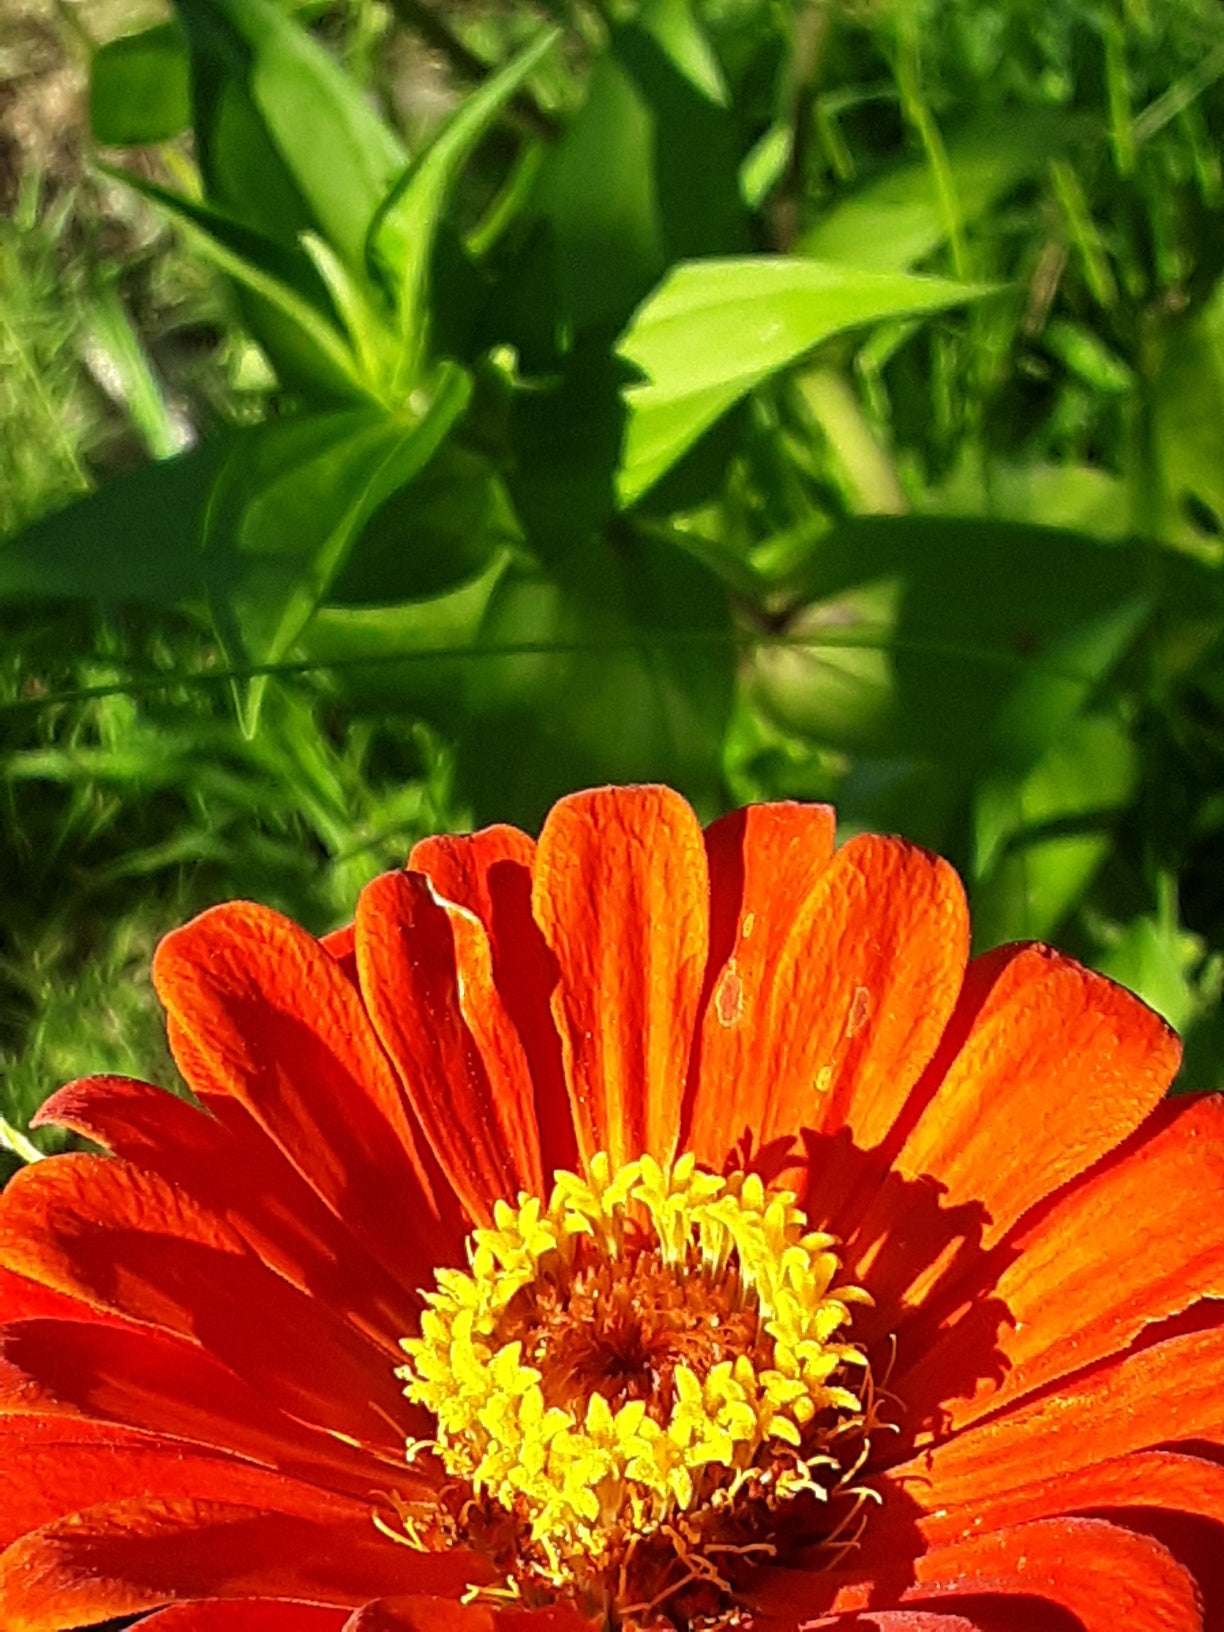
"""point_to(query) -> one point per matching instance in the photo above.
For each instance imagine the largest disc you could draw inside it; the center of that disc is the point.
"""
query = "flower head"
(641, 1229)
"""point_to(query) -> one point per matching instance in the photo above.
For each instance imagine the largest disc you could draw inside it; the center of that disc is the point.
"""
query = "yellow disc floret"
(653, 1340)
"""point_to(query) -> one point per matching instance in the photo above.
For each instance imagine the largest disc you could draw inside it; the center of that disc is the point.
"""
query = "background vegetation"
(409, 412)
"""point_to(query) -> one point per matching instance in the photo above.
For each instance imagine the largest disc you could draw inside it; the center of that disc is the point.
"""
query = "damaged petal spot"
(729, 996)
(860, 1011)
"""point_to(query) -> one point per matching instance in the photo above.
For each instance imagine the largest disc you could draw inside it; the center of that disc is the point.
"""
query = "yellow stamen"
(737, 1378)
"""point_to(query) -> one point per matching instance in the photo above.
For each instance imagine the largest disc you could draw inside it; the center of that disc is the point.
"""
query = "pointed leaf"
(288, 508)
(273, 276)
(401, 236)
(341, 155)
(135, 540)
(714, 329)
(895, 220)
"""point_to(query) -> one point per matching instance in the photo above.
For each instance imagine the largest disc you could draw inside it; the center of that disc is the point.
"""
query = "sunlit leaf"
(969, 641)
(714, 329)
(1189, 423)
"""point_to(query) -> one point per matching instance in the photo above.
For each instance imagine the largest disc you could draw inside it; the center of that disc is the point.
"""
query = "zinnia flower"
(873, 1291)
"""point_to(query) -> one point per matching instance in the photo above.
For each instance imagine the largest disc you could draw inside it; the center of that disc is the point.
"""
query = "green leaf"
(615, 665)
(714, 329)
(1041, 838)
(373, 343)
(1081, 498)
(565, 440)
(401, 234)
(596, 193)
(342, 157)
(307, 338)
(1166, 964)
(970, 643)
(1189, 425)
(440, 530)
(895, 220)
(140, 88)
(645, 173)
(288, 507)
(135, 540)
(414, 658)
(118, 357)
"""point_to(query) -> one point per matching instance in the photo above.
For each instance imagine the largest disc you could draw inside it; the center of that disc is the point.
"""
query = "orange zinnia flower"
(873, 1292)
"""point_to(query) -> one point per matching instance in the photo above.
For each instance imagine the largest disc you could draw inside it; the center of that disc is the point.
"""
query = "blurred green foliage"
(411, 413)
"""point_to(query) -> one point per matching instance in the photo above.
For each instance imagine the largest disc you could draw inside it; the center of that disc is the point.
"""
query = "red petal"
(621, 893)
(417, 1614)
(902, 1620)
(231, 1167)
(133, 1556)
(53, 1466)
(489, 875)
(275, 1022)
(1058, 1066)
(475, 1104)
(245, 1615)
(1137, 1241)
(1172, 1390)
(764, 862)
(1107, 1577)
(142, 1379)
(23, 1299)
(125, 1241)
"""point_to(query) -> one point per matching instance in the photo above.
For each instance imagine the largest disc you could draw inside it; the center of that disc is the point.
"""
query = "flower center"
(651, 1371)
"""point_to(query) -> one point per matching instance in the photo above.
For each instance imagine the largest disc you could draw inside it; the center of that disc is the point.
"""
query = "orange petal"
(245, 1615)
(489, 875)
(1057, 1067)
(764, 862)
(229, 1165)
(277, 1024)
(466, 868)
(1139, 1240)
(142, 1379)
(621, 893)
(1127, 1405)
(1165, 1480)
(451, 1040)
(1104, 1576)
(51, 1467)
(864, 984)
(139, 1555)
(125, 1241)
